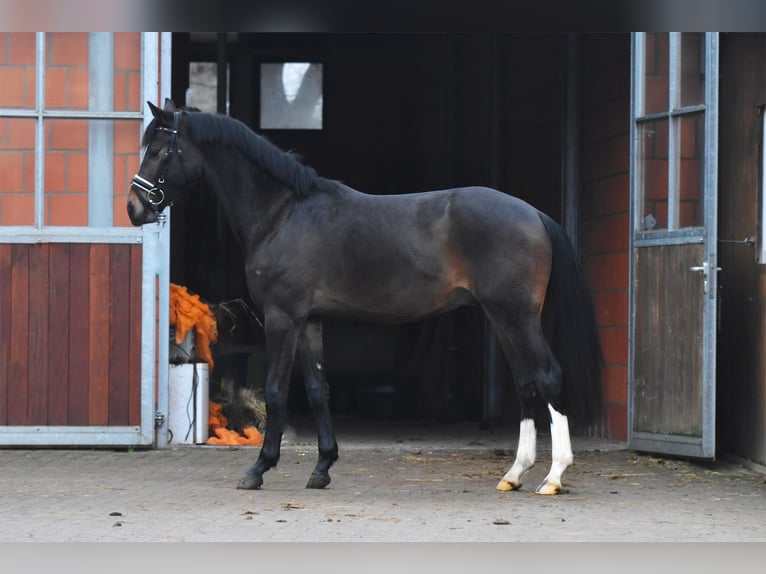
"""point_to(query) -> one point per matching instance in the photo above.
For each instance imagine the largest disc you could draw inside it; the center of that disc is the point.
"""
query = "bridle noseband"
(153, 196)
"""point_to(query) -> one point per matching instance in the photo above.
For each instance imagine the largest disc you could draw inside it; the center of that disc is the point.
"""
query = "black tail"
(575, 340)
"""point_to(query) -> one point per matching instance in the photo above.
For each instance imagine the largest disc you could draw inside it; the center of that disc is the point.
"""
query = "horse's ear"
(170, 105)
(156, 112)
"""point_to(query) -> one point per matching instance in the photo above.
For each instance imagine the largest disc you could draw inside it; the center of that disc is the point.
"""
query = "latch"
(159, 419)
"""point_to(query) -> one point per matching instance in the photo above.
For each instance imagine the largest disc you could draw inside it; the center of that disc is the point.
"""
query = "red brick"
(657, 53)
(121, 212)
(656, 179)
(127, 137)
(125, 167)
(606, 158)
(17, 134)
(616, 384)
(11, 171)
(658, 210)
(605, 196)
(127, 51)
(134, 91)
(30, 89)
(690, 214)
(691, 179)
(614, 341)
(68, 48)
(3, 39)
(17, 209)
(656, 94)
(607, 271)
(617, 422)
(78, 88)
(77, 171)
(120, 92)
(691, 137)
(56, 87)
(55, 172)
(29, 171)
(21, 51)
(12, 87)
(121, 177)
(611, 307)
(67, 209)
(67, 134)
(605, 234)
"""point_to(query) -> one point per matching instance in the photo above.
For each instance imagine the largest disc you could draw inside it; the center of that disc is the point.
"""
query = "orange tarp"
(224, 436)
(187, 311)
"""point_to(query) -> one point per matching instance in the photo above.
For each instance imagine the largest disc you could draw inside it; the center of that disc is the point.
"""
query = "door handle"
(704, 269)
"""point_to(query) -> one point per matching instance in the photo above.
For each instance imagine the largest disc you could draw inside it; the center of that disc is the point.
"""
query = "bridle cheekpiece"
(152, 194)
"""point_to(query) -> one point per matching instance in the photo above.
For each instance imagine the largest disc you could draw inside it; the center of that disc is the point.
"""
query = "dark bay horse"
(315, 248)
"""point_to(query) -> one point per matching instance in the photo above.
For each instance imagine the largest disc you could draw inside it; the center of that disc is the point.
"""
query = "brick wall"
(66, 140)
(606, 200)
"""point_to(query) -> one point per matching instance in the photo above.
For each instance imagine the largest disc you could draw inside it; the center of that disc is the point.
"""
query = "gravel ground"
(393, 482)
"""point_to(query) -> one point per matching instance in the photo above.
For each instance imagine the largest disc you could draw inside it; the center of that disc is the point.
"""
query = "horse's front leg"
(311, 355)
(281, 340)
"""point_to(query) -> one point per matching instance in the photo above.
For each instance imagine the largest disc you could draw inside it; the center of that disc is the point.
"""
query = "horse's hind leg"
(281, 342)
(310, 353)
(536, 374)
(527, 448)
(561, 456)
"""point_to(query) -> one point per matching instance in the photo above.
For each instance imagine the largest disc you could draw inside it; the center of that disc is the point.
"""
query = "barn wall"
(605, 215)
(70, 329)
(741, 380)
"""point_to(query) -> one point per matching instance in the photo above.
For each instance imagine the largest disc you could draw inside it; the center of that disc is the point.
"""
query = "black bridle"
(151, 194)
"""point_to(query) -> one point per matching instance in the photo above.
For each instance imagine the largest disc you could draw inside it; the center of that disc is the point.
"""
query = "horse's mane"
(283, 166)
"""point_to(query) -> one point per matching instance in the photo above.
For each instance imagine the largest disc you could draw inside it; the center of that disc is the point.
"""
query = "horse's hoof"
(318, 481)
(250, 482)
(506, 485)
(548, 488)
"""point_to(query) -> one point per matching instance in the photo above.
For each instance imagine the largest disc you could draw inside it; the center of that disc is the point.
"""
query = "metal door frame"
(704, 446)
(155, 238)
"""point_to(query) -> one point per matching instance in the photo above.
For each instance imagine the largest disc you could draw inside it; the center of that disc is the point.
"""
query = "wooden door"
(674, 238)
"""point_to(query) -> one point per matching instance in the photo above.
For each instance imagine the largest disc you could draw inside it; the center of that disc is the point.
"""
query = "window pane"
(17, 171)
(691, 209)
(656, 62)
(97, 71)
(17, 70)
(127, 72)
(653, 175)
(291, 96)
(66, 71)
(96, 157)
(692, 69)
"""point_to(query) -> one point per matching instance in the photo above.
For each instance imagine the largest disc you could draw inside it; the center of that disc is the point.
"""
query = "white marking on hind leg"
(525, 456)
(561, 456)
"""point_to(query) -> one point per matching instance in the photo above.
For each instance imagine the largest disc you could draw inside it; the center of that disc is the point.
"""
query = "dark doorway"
(399, 113)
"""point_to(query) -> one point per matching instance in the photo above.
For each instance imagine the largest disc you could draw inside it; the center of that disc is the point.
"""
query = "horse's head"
(169, 166)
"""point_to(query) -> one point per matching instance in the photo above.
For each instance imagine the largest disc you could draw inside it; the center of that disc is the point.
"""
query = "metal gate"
(674, 158)
(82, 293)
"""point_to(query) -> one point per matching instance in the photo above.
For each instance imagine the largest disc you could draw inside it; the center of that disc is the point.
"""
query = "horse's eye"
(152, 152)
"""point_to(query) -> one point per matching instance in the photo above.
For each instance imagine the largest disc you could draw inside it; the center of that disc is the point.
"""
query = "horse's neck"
(252, 201)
